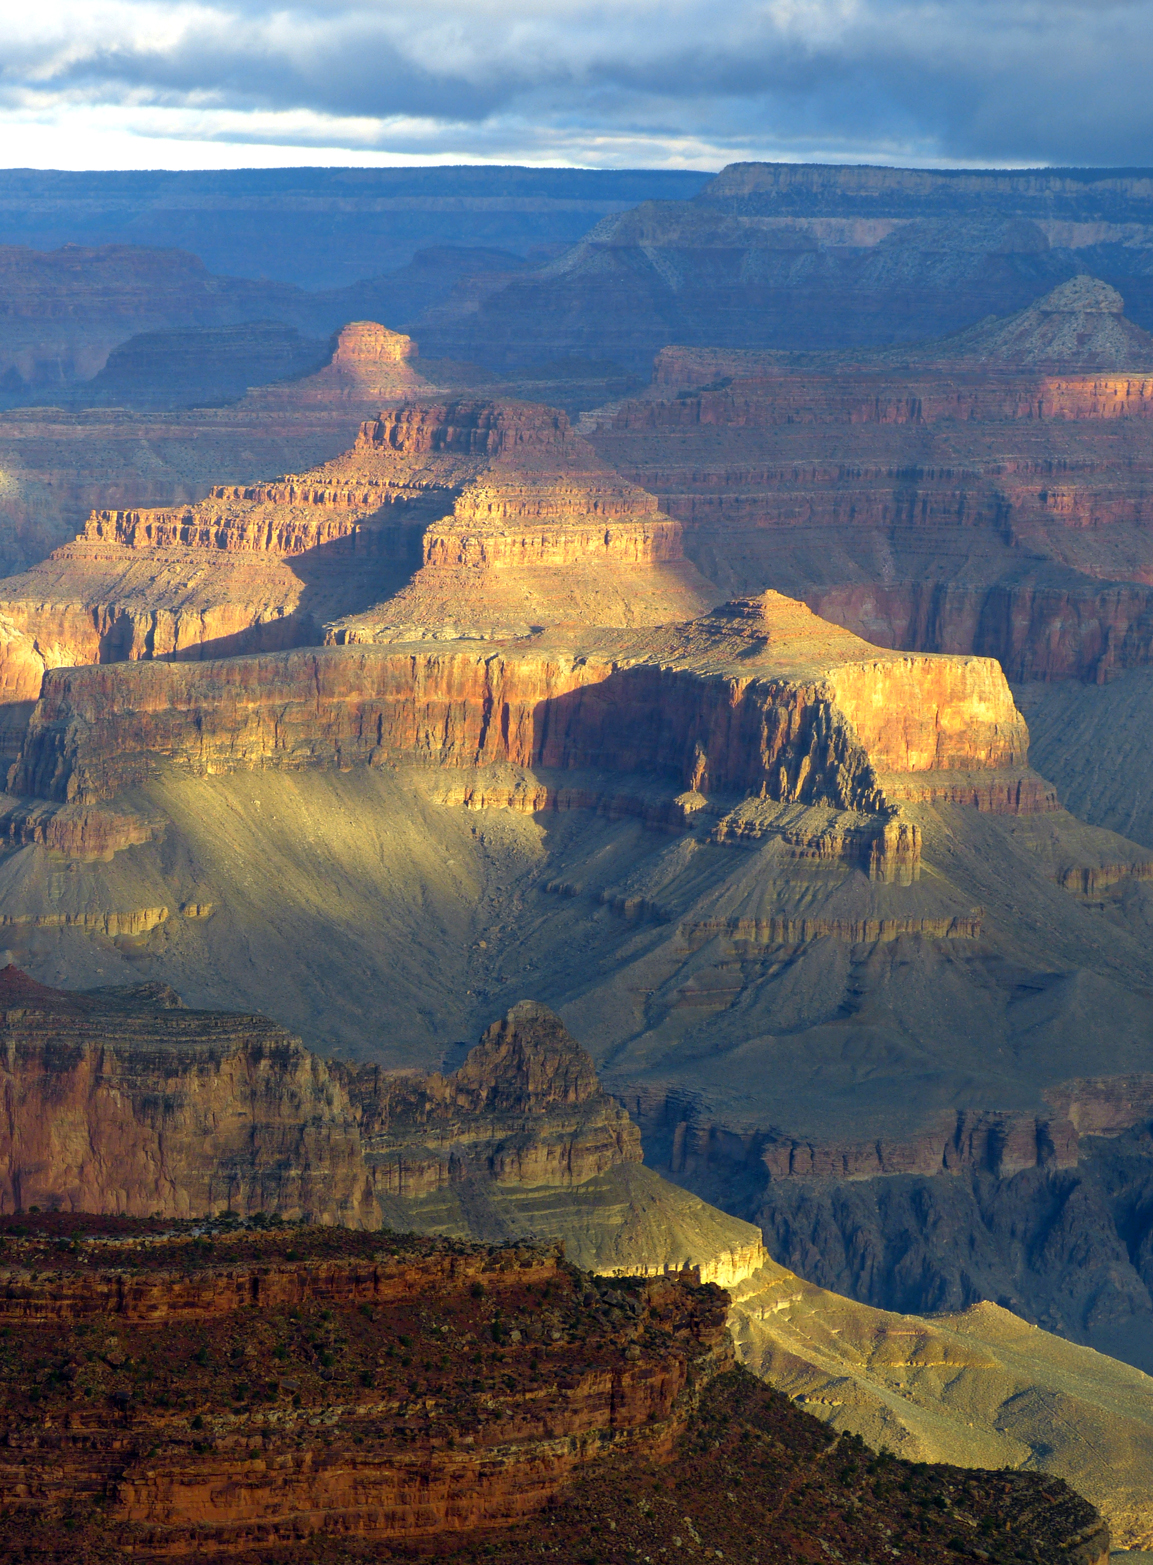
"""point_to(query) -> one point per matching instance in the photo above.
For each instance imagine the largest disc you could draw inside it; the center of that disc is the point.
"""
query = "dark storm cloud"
(963, 80)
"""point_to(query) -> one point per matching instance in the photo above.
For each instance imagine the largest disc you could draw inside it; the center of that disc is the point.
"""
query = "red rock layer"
(125, 1102)
(961, 507)
(388, 1464)
(760, 699)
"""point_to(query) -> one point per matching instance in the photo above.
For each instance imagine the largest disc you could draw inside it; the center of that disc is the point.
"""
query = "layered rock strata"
(989, 494)
(306, 1389)
(508, 518)
(778, 257)
(759, 699)
(123, 1101)
(523, 1139)
(392, 1464)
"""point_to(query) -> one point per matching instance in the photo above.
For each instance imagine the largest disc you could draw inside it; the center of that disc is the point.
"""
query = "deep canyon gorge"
(708, 665)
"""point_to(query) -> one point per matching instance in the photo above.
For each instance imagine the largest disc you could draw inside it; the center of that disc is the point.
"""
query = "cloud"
(633, 81)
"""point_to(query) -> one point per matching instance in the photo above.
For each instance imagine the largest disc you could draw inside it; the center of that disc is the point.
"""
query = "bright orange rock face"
(760, 699)
(508, 518)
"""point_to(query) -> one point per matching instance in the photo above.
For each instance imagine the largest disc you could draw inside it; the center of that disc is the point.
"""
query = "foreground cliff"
(280, 1394)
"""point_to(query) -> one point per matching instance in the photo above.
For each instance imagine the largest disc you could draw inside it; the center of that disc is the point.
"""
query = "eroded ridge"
(123, 1101)
(508, 518)
(760, 700)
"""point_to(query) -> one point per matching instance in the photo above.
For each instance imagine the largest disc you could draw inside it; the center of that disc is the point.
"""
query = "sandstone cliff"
(760, 699)
(270, 1394)
(123, 1101)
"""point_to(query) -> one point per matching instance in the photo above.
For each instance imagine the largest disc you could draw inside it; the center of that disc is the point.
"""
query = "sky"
(628, 83)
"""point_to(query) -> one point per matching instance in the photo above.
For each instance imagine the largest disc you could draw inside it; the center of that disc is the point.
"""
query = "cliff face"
(974, 496)
(397, 1461)
(125, 1102)
(525, 1108)
(122, 1101)
(67, 308)
(759, 699)
(305, 1389)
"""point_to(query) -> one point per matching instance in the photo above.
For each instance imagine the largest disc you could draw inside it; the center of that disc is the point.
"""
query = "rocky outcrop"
(523, 1140)
(525, 1108)
(517, 523)
(1001, 1143)
(125, 1102)
(760, 698)
(392, 1464)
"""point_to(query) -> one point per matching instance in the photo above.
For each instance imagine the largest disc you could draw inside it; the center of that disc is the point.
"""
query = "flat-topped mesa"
(761, 701)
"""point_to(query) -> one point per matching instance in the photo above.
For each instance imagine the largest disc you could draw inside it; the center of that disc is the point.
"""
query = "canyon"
(322, 228)
(123, 1101)
(779, 726)
(984, 493)
(713, 833)
(812, 258)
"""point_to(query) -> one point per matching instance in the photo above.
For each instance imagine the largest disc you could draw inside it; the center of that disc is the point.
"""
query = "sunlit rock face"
(508, 519)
